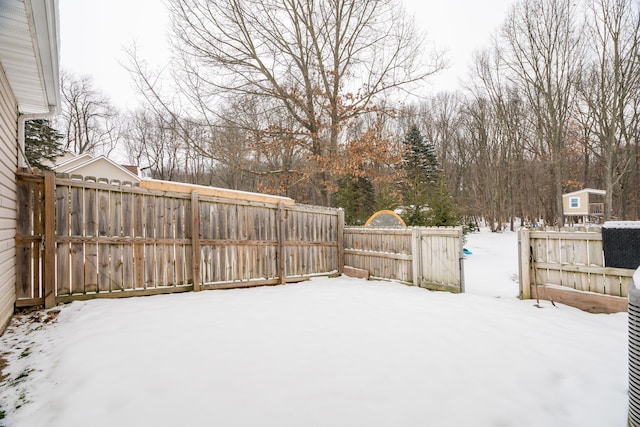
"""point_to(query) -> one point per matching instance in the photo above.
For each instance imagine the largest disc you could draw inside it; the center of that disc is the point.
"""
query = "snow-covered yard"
(328, 352)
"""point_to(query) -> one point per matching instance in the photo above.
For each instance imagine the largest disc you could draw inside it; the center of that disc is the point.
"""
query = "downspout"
(22, 119)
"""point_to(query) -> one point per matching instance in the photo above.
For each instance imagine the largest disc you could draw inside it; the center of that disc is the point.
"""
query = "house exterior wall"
(8, 204)
(583, 205)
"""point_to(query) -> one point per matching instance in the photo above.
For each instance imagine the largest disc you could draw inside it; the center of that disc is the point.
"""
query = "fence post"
(416, 255)
(195, 240)
(49, 240)
(524, 253)
(340, 241)
(461, 258)
(282, 267)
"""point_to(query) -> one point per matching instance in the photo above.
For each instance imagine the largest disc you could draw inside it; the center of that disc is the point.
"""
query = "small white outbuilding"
(583, 206)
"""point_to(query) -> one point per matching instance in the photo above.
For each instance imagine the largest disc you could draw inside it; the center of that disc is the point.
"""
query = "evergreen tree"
(441, 212)
(41, 143)
(419, 159)
(426, 199)
(420, 168)
(356, 196)
(386, 197)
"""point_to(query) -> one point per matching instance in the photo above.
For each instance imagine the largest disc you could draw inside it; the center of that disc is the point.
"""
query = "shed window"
(574, 202)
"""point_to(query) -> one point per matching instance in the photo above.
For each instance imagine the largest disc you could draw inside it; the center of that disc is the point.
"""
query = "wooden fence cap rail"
(180, 187)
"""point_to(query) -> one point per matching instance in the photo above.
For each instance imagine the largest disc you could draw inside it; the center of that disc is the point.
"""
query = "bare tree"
(88, 120)
(154, 146)
(610, 88)
(541, 48)
(324, 62)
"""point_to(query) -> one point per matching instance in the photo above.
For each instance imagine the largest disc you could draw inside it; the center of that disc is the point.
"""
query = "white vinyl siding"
(8, 167)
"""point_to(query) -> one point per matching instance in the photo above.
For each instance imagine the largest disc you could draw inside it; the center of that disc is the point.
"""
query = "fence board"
(116, 229)
(128, 269)
(127, 214)
(77, 249)
(24, 282)
(149, 249)
(62, 213)
(595, 255)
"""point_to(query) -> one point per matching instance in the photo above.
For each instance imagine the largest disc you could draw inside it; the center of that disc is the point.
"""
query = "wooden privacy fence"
(84, 239)
(423, 256)
(568, 266)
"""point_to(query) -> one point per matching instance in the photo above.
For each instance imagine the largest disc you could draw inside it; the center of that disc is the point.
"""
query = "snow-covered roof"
(586, 190)
(29, 53)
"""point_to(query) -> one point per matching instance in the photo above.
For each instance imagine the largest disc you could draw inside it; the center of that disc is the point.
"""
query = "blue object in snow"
(466, 251)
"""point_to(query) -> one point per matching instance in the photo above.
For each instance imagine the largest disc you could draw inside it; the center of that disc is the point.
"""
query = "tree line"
(311, 100)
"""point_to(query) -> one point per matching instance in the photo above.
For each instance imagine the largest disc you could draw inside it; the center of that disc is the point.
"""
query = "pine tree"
(420, 168)
(419, 160)
(42, 143)
(442, 212)
(356, 196)
(425, 196)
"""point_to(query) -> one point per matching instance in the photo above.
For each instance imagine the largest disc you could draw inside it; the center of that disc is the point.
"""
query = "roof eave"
(586, 190)
(46, 26)
(29, 54)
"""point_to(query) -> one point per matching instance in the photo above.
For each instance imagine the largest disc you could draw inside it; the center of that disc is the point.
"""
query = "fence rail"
(80, 239)
(425, 256)
(559, 263)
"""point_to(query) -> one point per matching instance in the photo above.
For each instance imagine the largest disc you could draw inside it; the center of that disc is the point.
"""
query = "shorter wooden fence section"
(427, 257)
(79, 239)
(568, 267)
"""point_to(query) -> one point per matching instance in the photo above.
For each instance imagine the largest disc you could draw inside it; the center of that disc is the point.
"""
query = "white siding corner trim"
(8, 203)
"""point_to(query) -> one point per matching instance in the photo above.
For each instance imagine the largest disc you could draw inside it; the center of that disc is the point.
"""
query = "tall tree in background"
(324, 62)
(543, 54)
(610, 89)
(155, 146)
(42, 144)
(88, 121)
(420, 166)
(497, 128)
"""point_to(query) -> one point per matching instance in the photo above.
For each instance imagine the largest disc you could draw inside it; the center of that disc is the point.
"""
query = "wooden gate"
(429, 257)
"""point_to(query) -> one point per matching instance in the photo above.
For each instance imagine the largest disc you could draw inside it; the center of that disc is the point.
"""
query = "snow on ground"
(492, 269)
(328, 352)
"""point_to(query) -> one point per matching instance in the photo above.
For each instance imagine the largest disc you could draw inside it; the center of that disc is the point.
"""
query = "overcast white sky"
(93, 34)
